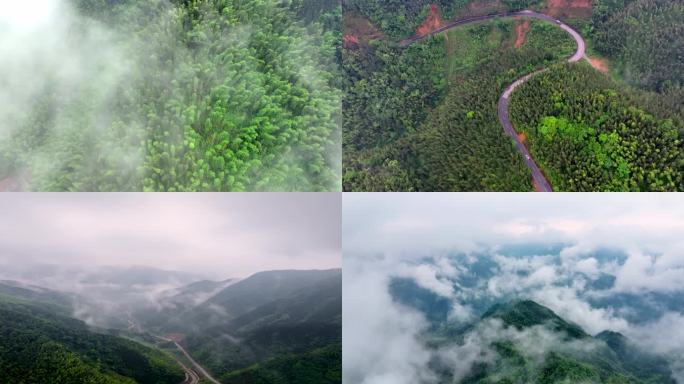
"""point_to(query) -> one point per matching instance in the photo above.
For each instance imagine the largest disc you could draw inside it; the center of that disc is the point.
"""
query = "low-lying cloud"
(595, 260)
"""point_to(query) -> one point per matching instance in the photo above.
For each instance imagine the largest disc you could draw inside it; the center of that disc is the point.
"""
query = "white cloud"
(638, 226)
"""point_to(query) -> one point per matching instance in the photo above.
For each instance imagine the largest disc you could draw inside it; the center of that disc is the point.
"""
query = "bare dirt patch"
(569, 8)
(599, 64)
(483, 6)
(432, 22)
(358, 30)
(521, 29)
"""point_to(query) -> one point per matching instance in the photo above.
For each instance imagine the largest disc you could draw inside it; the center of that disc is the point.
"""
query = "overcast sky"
(217, 235)
(434, 239)
(408, 223)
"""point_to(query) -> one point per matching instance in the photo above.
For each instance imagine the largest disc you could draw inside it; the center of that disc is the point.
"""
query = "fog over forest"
(116, 251)
(606, 263)
(164, 95)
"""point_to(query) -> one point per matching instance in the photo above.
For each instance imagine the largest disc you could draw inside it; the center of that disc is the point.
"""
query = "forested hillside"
(644, 39)
(400, 18)
(424, 117)
(511, 335)
(320, 366)
(208, 95)
(40, 343)
(280, 327)
(587, 136)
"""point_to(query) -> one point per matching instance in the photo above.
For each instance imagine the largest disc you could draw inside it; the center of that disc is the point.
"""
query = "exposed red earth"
(599, 64)
(350, 41)
(521, 32)
(358, 31)
(432, 22)
(569, 8)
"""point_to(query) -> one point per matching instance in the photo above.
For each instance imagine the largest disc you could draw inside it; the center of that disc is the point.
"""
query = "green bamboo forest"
(424, 117)
(206, 95)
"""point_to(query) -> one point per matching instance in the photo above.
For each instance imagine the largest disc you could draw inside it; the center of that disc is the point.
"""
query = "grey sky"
(419, 222)
(218, 235)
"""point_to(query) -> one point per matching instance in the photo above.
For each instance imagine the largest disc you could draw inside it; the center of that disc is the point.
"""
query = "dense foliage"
(217, 95)
(645, 41)
(575, 357)
(587, 136)
(40, 344)
(400, 18)
(284, 326)
(425, 117)
(320, 366)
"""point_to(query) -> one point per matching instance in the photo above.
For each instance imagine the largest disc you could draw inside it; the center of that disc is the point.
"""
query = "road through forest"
(540, 181)
(191, 377)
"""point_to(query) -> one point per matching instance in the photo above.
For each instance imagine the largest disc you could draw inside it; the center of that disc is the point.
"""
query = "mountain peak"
(528, 313)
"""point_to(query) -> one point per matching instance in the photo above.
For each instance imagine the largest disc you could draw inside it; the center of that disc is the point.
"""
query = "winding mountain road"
(191, 377)
(537, 176)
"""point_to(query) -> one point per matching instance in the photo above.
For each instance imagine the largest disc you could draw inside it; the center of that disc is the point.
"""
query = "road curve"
(537, 176)
(191, 377)
(197, 366)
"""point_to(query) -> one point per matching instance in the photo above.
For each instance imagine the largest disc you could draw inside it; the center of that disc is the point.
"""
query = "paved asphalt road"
(191, 377)
(540, 181)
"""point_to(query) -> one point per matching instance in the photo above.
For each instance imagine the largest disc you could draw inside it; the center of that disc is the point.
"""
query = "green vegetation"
(40, 344)
(320, 366)
(425, 117)
(399, 19)
(575, 357)
(273, 327)
(213, 95)
(644, 40)
(588, 136)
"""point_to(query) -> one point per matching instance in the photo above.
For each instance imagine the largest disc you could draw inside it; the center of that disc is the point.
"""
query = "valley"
(275, 315)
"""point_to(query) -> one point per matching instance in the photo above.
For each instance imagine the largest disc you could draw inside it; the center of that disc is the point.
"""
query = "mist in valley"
(115, 258)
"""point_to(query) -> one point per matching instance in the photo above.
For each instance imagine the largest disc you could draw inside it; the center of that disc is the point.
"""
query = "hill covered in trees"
(41, 343)
(273, 327)
(210, 95)
(524, 342)
(424, 117)
(276, 327)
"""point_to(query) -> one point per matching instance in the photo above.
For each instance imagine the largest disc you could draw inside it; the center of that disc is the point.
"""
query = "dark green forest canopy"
(220, 95)
(40, 344)
(424, 117)
(645, 40)
(587, 136)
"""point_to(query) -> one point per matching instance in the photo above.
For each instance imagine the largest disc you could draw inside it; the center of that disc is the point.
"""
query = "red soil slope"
(521, 32)
(432, 23)
(569, 8)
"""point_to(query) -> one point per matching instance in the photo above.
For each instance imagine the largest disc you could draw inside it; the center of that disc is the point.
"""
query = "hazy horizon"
(215, 236)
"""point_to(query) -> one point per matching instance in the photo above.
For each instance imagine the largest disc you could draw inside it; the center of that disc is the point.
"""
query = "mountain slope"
(40, 345)
(281, 315)
(529, 343)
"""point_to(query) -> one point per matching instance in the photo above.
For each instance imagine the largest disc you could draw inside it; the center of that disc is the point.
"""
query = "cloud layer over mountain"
(604, 262)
